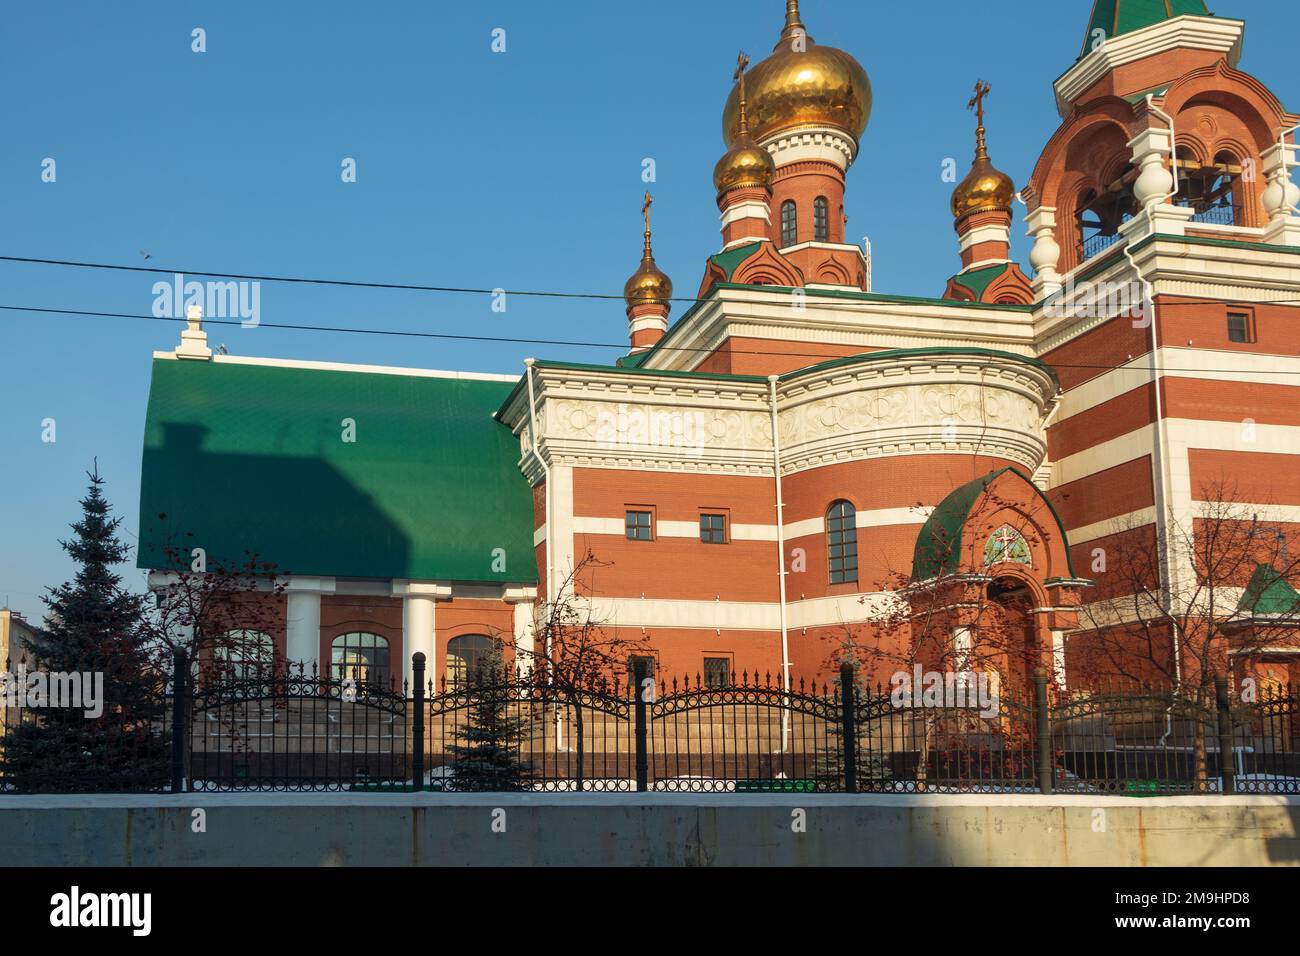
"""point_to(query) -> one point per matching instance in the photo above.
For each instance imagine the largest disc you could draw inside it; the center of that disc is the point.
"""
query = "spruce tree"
(93, 626)
(487, 752)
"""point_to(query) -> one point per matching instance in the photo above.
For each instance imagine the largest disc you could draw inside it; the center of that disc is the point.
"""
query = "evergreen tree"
(93, 626)
(487, 754)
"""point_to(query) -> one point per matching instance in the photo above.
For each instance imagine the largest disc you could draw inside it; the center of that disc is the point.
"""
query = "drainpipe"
(1162, 435)
(780, 559)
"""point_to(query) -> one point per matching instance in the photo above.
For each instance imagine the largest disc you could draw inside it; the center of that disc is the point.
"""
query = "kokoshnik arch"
(873, 419)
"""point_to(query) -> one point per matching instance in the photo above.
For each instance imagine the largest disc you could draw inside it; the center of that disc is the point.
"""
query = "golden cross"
(742, 64)
(982, 90)
(645, 211)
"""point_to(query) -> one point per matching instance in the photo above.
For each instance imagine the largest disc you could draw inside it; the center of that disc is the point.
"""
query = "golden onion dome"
(985, 188)
(648, 285)
(745, 163)
(802, 85)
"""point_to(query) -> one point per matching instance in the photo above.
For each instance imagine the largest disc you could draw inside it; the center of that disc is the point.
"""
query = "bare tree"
(575, 655)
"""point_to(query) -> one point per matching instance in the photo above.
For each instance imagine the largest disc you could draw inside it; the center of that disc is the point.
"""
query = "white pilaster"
(1281, 197)
(419, 623)
(302, 618)
(1046, 252)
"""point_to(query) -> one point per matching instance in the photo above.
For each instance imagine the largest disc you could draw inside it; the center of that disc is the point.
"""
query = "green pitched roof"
(1117, 17)
(1269, 593)
(939, 545)
(978, 280)
(730, 260)
(241, 458)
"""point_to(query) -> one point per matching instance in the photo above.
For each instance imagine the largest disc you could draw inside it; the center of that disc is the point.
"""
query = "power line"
(463, 290)
(509, 340)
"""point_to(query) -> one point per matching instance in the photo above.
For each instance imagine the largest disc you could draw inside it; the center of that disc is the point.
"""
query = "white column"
(1058, 658)
(1281, 196)
(303, 620)
(419, 623)
(1046, 252)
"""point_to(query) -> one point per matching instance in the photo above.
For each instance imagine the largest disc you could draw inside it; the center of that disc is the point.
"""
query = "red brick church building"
(769, 472)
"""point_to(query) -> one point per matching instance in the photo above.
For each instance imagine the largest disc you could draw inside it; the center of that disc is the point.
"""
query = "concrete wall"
(649, 829)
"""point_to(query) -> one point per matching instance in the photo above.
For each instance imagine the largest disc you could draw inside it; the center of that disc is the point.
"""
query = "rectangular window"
(1239, 327)
(644, 659)
(713, 529)
(640, 526)
(717, 672)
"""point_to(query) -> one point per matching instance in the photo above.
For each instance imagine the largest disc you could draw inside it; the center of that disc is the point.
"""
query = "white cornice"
(1216, 34)
(349, 367)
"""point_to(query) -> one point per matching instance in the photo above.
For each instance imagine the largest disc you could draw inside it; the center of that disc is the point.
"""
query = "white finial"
(194, 341)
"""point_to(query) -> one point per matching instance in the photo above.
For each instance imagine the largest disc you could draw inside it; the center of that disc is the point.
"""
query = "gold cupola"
(648, 285)
(745, 164)
(801, 85)
(985, 188)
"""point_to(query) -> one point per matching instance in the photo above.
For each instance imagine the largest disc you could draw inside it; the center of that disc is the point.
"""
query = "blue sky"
(517, 170)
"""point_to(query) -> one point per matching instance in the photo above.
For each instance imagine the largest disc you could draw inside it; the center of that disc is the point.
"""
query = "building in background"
(760, 477)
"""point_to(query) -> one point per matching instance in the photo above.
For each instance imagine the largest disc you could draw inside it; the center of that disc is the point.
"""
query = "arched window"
(1213, 191)
(789, 227)
(245, 654)
(360, 656)
(466, 657)
(1099, 215)
(821, 220)
(842, 542)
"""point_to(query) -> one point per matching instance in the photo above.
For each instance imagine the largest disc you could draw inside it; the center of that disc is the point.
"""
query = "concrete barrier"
(646, 829)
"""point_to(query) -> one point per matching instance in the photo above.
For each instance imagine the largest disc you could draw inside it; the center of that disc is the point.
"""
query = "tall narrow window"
(789, 229)
(842, 542)
(821, 220)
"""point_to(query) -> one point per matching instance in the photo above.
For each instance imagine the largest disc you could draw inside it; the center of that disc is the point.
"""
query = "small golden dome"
(745, 163)
(801, 85)
(648, 285)
(985, 188)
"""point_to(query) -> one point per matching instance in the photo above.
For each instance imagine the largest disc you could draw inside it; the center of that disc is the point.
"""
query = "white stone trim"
(350, 367)
(811, 144)
(989, 233)
(749, 209)
(1218, 34)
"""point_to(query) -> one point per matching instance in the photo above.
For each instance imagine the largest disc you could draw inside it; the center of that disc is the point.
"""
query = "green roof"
(1269, 593)
(939, 545)
(978, 280)
(730, 260)
(252, 458)
(1117, 17)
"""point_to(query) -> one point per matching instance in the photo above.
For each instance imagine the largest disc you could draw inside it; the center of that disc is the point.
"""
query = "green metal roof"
(978, 280)
(241, 458)
(1117, 17)
(730, 260)
(1269, 593)
(939, 545)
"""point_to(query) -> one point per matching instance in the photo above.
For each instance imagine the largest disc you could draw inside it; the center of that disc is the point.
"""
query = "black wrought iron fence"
(305, 731)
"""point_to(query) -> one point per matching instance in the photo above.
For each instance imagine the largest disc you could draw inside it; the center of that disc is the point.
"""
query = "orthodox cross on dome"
(982, 90)
(742, 64)
(645, 211)
(1007, 546)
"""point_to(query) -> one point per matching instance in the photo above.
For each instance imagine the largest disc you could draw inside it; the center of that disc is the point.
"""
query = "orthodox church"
(772, 469)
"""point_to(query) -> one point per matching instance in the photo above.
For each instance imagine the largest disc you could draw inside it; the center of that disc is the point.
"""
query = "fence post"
(417, 727)
(639, 676)
(1043, 719)
(180, 696)
(849, 727)
(1227, 758)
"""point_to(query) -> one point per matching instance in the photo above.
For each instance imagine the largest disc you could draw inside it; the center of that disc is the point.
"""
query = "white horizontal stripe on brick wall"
(1100, 529)
(738, 615)
(878, 518)
(1182, 363)
(1267, 514)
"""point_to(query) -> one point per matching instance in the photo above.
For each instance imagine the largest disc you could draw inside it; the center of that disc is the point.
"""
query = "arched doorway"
(1012, 601)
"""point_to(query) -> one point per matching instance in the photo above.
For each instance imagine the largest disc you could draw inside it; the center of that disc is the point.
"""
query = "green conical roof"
(1116, 17)
(1269, 593)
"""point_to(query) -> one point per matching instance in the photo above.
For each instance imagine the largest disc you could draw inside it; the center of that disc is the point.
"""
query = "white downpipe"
(1162, 437)
(535, 442)
(780, 560)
